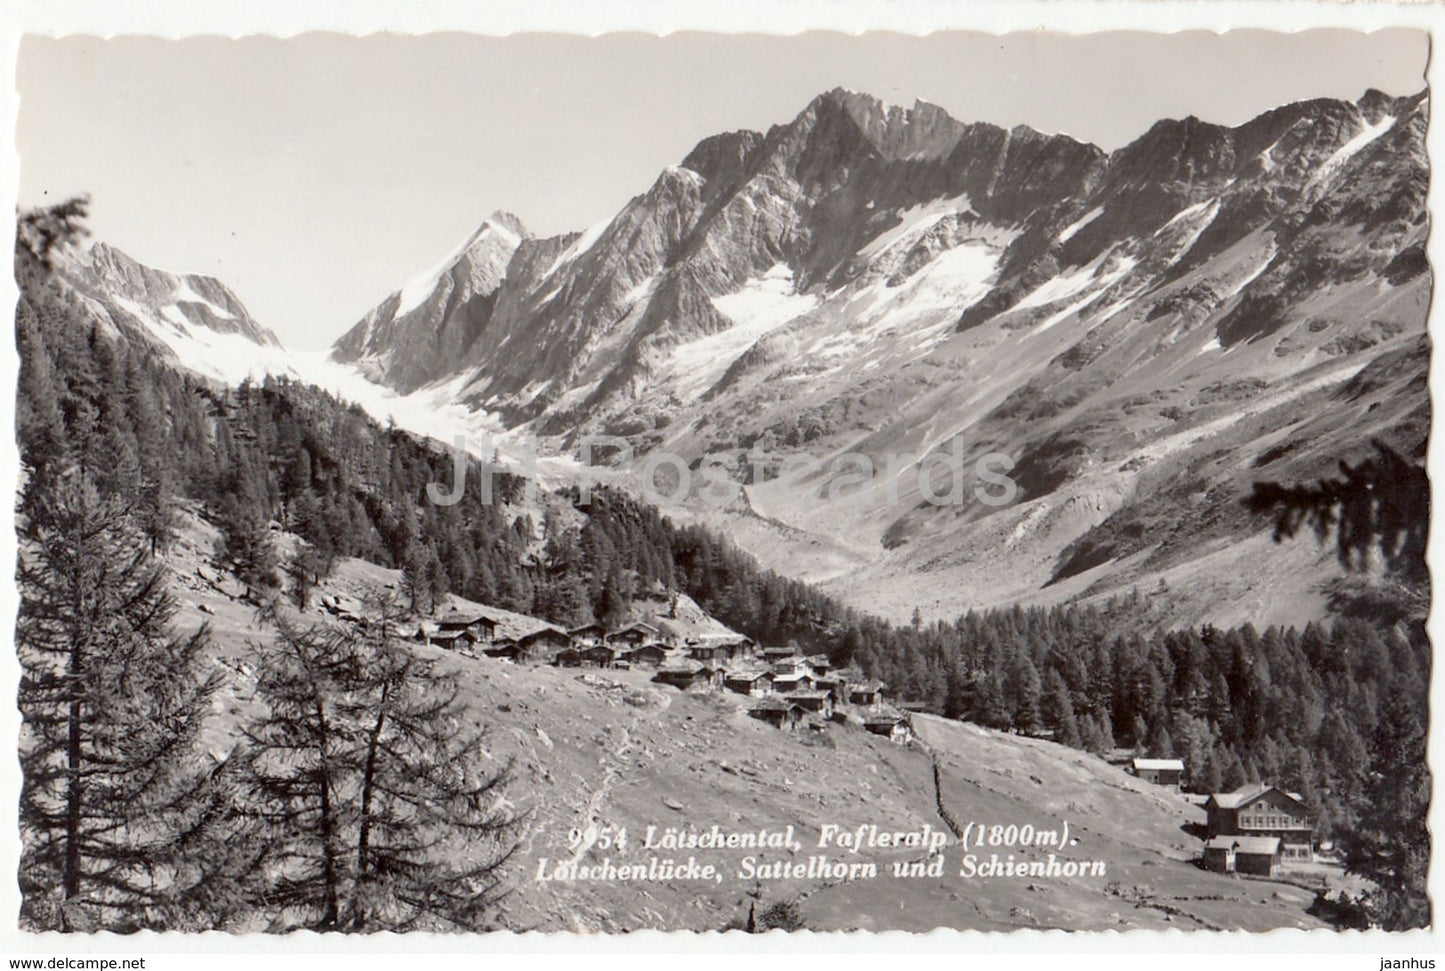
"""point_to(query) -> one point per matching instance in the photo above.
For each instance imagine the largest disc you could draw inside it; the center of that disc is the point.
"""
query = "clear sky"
(315, 175)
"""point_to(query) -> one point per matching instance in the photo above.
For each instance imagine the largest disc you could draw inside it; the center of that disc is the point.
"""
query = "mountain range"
(1143, 333)
(161, 305)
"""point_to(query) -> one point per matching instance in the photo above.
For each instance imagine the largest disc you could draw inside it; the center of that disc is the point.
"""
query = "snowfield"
(184, 292)
(1064, 285)
(762, 306)
(915, 222)
(1073, 228)
(1068, 285)
(1350, 149)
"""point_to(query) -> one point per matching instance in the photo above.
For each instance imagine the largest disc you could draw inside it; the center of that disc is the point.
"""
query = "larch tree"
(294, 761)
(432, 828)
(1058, 709)
(1391, 843)
(115, 789)
(369, 782)
(246, 544)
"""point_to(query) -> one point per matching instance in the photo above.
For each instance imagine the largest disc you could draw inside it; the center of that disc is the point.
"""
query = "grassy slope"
(610, 748)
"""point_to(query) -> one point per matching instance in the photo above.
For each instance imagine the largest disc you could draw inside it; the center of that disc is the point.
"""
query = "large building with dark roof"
(1262, 810)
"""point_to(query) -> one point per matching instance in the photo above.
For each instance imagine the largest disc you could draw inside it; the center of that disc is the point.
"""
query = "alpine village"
(268, 685)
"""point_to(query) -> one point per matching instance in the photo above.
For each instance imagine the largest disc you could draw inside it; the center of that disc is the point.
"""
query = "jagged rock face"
(812, 195)
(167, 300)
(876, 278)
(806, 195)
(424, 328)
(923, 131)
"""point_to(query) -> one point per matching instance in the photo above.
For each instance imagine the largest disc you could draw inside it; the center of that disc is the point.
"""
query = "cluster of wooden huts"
(792, 690)
(702, 662)
(496, 633)
(528, 640)
(795, 690)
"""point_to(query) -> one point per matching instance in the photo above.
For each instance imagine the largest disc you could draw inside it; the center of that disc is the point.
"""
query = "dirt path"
(592, 814)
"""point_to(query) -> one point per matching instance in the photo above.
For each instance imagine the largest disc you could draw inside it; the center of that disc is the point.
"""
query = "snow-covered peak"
(168, 301)
(491, 245)
(682, 172)
(507, 225)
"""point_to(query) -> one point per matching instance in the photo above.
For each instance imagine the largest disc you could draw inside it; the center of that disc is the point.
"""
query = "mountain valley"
(1142, 333)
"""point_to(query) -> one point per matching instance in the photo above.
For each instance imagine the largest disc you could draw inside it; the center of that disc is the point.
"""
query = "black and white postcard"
(482, 481)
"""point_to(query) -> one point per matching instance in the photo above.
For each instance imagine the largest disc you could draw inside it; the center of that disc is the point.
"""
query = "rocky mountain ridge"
(459, 292)
(134, 293)
(879, 280)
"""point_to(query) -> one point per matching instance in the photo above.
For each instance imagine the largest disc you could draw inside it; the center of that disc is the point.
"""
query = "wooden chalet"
(505, 648)
(588, 635)
(452, 640)
(793, 665)
(755, 684)
(820, 663)
(683, 674)
(599, 656)
(736, 647)
(541, 645)
(1262, 810)
(796, 681)
(1259, 855)
(893, 726)
(1217, 855)
(706, 652)
(865, 693)
(1255, 855)
(479, 626)
(720, 648)
(775, 654)
(778, 712)
(1161, 772)
(634, 634)
(650, 655)
(816, 702)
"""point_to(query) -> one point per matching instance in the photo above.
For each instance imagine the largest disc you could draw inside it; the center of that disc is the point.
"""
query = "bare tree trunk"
(328, 833)
(71, 879)
(368, 790)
